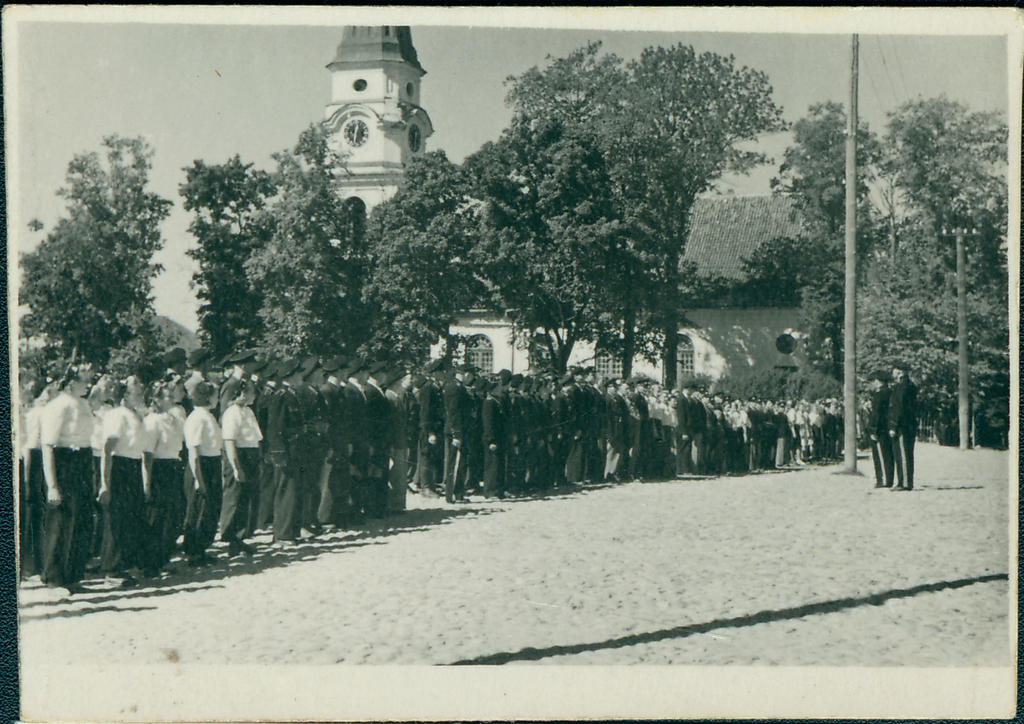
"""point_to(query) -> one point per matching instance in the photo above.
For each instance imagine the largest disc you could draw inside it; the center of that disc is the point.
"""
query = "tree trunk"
(628, 343)
(669, 353)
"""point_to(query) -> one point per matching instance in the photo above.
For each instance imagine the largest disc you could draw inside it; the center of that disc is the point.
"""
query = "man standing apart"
(903, 426)
(878, 430)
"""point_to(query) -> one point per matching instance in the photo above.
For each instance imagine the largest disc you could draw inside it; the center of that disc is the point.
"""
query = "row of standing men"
(122, 471)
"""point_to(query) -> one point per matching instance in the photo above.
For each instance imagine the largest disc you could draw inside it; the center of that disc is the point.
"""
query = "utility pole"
(850, 306)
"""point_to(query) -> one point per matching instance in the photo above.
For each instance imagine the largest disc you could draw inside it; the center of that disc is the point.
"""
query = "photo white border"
(174, 692)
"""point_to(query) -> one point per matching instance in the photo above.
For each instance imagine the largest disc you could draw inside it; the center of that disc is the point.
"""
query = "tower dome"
(367, 45)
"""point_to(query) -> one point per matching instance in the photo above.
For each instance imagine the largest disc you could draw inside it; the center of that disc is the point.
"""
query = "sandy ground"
(791, 568)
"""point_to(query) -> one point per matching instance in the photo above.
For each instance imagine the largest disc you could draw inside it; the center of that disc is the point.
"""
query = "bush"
(778, 384)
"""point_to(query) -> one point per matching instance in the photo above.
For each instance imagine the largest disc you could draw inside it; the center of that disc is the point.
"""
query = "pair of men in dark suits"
(892, 427)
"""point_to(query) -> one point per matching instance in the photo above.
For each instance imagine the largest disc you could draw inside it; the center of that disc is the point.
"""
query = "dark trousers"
(68, 526)
(286, 502)
(165, 511)
(203, 509)
(238, 505)
(375, 502)
(267, 483)
(32, 513)
(494, 473)
(429, 464)
(903, 455)
(881, 455)
(125, 528)
(454, 470)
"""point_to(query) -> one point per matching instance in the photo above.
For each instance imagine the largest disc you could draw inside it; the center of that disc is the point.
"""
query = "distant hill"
(181, 335)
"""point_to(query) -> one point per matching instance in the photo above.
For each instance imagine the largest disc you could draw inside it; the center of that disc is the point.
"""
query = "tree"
(88, 285)
(947, 168)
(584, 92)
(420, 273)
(229, 223)
(548, 233)
(813, 172)
(682, 122)
(311, 271)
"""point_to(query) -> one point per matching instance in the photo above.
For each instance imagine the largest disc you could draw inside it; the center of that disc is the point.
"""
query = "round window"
(409, 88)
(785, 343)
(359, 85)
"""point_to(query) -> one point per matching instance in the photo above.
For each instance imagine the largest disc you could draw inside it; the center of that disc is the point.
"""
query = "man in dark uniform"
(335, 473)
(399, 400)
(473, 448)
(456, 404)
(430, 453)
(878, 430)
(494, 437)
(282, 436)
(352, 440)
(903, 426)
(380, 437)
(515, 421)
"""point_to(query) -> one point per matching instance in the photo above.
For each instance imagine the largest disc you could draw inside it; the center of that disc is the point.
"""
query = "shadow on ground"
(678, 632)
(185, 579)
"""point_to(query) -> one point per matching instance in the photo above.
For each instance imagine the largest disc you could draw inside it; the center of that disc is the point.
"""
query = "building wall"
(722, 339)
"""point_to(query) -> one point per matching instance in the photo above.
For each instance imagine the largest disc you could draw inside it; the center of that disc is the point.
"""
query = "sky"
(211, 91)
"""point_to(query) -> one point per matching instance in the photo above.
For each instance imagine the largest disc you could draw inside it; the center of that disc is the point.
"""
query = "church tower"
(374, 118)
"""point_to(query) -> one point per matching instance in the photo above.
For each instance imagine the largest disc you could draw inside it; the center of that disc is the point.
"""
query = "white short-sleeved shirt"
(32, 428)
(132, 438)
(239, 423)
(97, 429)
(167, 431)
(203, 433)
(66, 421)
(179, 412)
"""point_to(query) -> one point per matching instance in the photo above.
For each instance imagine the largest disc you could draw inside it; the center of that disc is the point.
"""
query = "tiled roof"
(726, 230)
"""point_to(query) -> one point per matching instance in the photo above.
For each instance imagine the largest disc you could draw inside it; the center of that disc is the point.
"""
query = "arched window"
(480, 353)
(684, 357)
(607, 365)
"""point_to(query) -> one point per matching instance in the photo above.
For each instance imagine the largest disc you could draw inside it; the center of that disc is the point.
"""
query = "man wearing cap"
(399, 401)
(878, 430)
(176, 361)
(902, 423)
(379, 436)
(494, 436)
(311, 444)
(282, 433)
(456, 404)
(430, 455)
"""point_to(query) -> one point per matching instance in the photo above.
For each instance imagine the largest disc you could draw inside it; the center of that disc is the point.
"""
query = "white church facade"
(377, 123)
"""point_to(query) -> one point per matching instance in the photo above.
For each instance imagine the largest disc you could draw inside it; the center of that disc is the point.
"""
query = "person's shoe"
(73, 588)
(129, 582)
(897, 488)
(237, 547)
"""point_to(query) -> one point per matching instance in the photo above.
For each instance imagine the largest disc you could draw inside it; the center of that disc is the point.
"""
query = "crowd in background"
(119, 475)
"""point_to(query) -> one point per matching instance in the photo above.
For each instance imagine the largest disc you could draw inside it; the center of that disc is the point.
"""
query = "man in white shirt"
(240, 463)
(65, 434)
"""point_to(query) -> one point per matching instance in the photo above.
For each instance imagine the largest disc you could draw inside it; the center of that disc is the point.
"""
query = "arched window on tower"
(480, 353)
(684, 358)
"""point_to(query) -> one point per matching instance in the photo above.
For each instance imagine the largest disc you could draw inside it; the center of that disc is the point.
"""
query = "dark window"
(359, 85)
(409, 88)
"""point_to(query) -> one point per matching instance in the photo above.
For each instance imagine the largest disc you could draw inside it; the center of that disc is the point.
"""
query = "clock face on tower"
(355, 132)
(415, 138)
